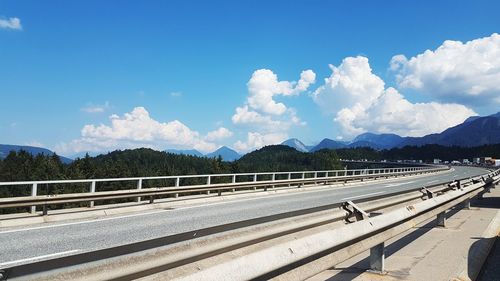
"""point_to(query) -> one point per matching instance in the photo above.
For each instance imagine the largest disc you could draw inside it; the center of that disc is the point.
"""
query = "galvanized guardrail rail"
(237, 181)
(266, 248)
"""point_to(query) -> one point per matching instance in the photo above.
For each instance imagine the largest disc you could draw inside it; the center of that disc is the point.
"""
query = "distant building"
(476, 160)
(465, 161)
(437, 161)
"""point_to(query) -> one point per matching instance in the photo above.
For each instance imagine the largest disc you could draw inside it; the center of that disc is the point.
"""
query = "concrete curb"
(472, 266)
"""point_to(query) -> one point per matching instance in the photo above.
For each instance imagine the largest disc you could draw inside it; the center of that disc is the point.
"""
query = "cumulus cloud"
(256, 140)
(261, 114)
(264, 85)
(136, 129)
(361, 102)
(219, 134)
(11, 23)
(466, 72)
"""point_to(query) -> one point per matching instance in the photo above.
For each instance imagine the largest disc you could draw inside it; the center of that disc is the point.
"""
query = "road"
(33, 243)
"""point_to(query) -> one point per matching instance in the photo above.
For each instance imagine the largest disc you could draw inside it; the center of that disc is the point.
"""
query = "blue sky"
(67, 66)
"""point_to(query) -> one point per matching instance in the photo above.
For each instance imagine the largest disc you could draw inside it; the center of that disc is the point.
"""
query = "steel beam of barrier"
(278, 257)
(299, 178)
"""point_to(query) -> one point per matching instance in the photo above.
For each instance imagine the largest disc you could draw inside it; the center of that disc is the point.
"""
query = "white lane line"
(81, 222)
(362, 195)
(432, 181)
(398, 184)
(39, 257)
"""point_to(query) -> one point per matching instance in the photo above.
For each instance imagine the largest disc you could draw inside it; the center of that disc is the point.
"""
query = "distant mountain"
(82, 154)
(5, 149)
(329, 144)
(376, 141)
(473, 132)
(297, 144)
(191, 152)
(226, 153)
(364, 144)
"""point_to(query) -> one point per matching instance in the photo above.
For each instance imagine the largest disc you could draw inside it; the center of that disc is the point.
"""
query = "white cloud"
(11, 23)
(91, 108)
(264, 85)
(351, 83)
(261, 114)
(256, 140)
(465, 72)
(176, 94)
(360, 102)
(219, 134)
(136, 129)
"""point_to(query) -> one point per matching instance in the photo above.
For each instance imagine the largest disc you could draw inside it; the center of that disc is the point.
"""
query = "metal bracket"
(353, 211)
(455, 185)
(427, 193)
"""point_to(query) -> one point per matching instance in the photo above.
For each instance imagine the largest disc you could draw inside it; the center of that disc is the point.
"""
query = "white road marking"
(81, 222)
(398, 184)
(432, 181)
(38, 258)
(362, 195)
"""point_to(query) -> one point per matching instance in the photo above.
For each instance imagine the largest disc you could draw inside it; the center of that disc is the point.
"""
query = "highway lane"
(28, 244)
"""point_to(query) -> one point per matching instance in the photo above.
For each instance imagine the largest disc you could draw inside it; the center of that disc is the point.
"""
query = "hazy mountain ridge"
(226, 153)
(5, 149)
(474, 131)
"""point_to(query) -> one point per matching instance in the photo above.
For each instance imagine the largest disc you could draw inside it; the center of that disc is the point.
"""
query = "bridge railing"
(211, 182)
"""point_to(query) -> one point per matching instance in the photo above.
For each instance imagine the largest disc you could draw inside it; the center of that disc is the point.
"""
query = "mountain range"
(5, 149)
(474, 131)
(225, 152)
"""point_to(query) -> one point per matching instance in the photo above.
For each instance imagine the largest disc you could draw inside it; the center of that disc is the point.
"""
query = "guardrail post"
(273, 179)
(255, 179)
(139, 186)
(377, 257)
(289, 178)
(234, 181)
(441, 219)
(467, 204)
(34, 189)
(92, 190)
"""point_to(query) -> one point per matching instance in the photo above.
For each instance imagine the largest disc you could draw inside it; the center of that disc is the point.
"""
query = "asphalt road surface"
(33, 243)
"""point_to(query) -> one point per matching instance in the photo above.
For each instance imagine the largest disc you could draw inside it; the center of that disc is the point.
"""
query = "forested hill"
(144, 162)
(285, 158)
(426, 153)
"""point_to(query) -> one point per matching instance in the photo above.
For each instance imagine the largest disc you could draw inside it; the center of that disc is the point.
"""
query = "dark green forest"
(426, 153)
(143, 162)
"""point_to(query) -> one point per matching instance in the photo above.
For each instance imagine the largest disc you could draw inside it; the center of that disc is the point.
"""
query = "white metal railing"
(235, 178)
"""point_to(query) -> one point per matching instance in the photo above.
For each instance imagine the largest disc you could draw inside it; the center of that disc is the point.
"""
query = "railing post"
(177, 184)
(255, 179)
(92, 190)
(441, 219)
(467, 204)
(377, 257)
(139, 186)
(273, 179)
(234, 181)
(289, 178)
(209, 182)
(34, 189)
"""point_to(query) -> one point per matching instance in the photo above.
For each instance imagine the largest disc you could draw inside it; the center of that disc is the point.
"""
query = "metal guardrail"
(266, 179)
(280, 261)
